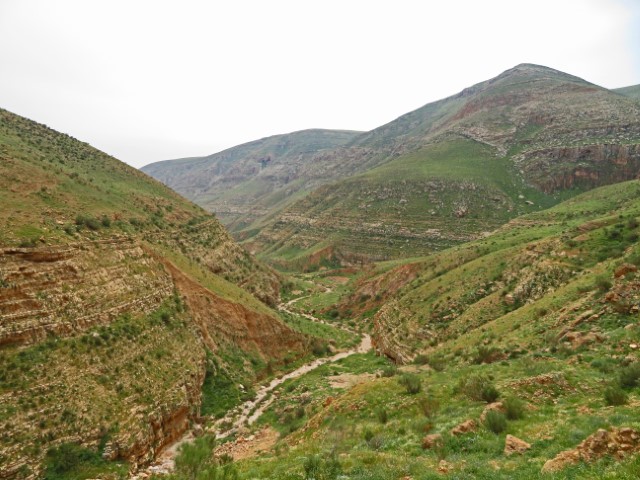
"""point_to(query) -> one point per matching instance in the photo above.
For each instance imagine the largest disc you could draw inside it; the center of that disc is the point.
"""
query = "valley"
(454, 294)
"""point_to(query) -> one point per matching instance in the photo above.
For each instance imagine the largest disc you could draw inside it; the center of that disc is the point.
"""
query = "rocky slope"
(517, 357)
(243, 183)
(113, 291)
(550, 272)
(460, 167)
(448, 172)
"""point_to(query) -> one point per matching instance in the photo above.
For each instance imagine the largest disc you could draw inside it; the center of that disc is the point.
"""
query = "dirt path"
(247, 413)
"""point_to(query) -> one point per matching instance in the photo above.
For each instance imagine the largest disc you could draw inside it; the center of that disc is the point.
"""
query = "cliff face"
(587, 166)
(64, 290)
(224, 323)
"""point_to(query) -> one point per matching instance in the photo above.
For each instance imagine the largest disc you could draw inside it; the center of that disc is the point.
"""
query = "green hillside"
(537, 322)
(632, 91)
(458, 168)
(119, 300)
(242, 182)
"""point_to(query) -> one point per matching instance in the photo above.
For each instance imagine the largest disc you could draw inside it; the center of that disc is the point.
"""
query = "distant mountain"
(451, 171)
(119, 300)
(242, 183)
(633, 91)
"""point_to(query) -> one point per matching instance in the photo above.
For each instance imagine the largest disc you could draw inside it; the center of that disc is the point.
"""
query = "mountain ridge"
(551, 133)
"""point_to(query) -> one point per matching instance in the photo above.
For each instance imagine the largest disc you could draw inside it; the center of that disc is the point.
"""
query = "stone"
(465, 427)
(625, 268)
(497, 406)
(444, 466)
(431, 441)
(615, 442)
(515, 445)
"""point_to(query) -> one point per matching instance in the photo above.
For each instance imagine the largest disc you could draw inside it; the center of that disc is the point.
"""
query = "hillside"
(119, 300)
(243, 183)
(517, 358)
(453, 170)
(632, 91)
(458, 168)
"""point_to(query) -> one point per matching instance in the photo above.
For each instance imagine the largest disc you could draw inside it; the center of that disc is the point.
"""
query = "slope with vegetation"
(632, 91)
(446, 173)
(515, 356)
(241, 184)
(117, 299)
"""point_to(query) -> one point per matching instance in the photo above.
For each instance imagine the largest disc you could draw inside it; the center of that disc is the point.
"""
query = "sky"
(149, 80)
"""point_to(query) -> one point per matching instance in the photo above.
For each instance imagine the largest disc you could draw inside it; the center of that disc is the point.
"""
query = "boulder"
(497, 406)
(625, 268)
(431, 441)
(615, 442)
(465, 427)
(515, 445)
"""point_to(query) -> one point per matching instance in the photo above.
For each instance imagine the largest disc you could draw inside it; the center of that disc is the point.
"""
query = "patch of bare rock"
(616, 442)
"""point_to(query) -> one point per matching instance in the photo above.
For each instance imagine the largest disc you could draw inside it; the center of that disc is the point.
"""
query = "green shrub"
(319, 348)
(28, 243)
(411, 383)
(630, 376)
(514, 408)
(383, 415)
(376, 442)
(495, 421)
(68, 460)
(478, 387)
(437, 362)
(485, 354)
(389, 371)
(421, 359)
(489, 393)
(615, 396)
(603, 283)
(428, 406)
(89, 222)
(196, 459)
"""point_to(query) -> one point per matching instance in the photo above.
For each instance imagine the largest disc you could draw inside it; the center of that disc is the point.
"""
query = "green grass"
(339, 338)
(69, 461)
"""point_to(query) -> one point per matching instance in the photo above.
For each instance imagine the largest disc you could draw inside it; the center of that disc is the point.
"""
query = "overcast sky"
(148, 80)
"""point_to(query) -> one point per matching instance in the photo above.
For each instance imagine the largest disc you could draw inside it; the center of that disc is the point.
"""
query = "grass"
(69, 461)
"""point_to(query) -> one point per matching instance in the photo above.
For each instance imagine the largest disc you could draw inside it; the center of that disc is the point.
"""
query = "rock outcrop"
(617, 442)
(67, 289)
(513, 445)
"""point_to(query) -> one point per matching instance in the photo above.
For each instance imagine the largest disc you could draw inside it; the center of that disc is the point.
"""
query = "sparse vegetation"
(411, 383)
(495, 421)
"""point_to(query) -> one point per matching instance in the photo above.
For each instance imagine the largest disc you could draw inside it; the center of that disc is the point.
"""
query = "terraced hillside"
(513, 357)
(244, 183)
(117, 299)
(448, 172)
(458, 168)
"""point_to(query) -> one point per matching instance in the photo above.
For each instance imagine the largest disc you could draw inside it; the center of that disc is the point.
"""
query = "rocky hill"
(453, 170)
(244, 183)
(117, 299)
(458, 168)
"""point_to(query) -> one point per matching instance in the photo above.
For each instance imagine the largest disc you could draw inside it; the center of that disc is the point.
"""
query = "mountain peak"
(534, 71)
